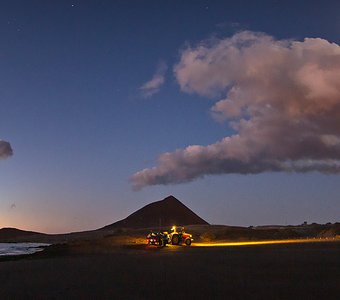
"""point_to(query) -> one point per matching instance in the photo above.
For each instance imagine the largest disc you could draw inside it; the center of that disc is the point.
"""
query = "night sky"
(233, 107)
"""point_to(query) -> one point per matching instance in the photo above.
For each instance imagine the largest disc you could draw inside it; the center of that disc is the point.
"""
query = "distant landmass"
(170, 211)
(164, 213)
(9, 233)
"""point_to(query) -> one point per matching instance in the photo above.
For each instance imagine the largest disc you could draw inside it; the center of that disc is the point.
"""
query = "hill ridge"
(10, 232)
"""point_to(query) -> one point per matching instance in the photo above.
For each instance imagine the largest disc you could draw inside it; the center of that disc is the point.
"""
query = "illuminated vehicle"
(177, 237)
(157, 238)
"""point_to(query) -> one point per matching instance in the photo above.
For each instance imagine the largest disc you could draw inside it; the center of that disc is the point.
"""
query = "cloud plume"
(153, 86)
(5, 149)
(281, 97)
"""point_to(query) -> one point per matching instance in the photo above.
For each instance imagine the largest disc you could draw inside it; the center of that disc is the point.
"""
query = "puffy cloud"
(5, 149)
(282, 98)
(153, 86)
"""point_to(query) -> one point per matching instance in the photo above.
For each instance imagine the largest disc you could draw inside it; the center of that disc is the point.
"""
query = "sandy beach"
(283, 271)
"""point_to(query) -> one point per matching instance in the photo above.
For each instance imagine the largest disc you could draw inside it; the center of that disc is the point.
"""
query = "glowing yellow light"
(250, 243)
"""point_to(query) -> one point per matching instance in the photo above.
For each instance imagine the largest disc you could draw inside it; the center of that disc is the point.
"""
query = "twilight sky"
(231, 106)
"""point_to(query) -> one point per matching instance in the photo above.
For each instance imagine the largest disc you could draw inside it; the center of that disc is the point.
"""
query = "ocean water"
(20, 248)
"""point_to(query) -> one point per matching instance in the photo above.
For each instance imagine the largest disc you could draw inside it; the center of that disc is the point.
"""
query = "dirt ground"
(292, 271)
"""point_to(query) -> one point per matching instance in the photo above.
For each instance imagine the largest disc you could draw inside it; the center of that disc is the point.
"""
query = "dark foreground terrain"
(292, 271)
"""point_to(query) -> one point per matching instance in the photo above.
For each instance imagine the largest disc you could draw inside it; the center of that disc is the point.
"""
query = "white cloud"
(282, 98)
(153, 86)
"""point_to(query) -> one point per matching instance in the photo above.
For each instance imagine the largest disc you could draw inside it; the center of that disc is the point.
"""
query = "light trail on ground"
(254, 243)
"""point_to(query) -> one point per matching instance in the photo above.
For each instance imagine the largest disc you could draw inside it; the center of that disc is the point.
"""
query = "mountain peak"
(166, 212)
(171, 198)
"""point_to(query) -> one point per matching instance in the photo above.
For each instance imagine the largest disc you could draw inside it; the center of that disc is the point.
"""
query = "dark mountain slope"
(167, 212)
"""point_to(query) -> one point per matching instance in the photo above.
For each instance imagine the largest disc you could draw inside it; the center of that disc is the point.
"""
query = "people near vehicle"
(175, 237)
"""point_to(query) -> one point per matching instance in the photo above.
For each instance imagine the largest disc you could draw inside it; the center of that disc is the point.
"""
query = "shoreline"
(74, 249)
